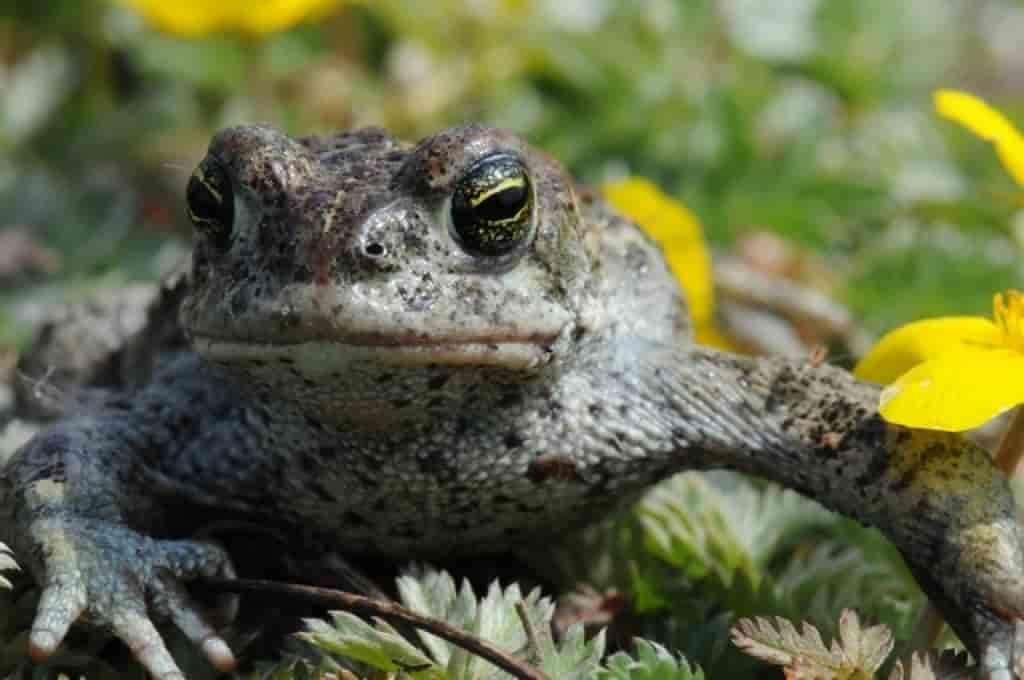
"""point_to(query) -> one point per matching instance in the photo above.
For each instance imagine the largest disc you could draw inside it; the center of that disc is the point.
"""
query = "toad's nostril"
(374, 249)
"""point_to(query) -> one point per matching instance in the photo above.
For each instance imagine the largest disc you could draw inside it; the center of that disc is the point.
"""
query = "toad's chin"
(318, 357)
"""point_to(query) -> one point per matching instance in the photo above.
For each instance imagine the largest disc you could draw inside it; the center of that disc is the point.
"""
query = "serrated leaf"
(497, 621)
(945, 665)
(433, 593)
(651, 662)
(863, 648)
(858, 653)
(379, 645)
(705, 530)
(575, 658)
(782, 645)
(494, 618)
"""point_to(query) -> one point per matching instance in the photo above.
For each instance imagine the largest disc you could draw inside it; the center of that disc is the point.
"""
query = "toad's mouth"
(324, 356)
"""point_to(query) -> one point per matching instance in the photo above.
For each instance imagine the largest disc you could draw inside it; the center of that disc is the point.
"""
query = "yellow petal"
(186, 19)
(907, 346)
(192, 18)
(679, 233)
(1011, 153)
(709, 335)
(269, 16)
(957, 392)
(987, 123)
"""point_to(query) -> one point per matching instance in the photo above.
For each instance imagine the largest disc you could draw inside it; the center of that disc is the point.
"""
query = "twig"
(531, 633)
(359, 604)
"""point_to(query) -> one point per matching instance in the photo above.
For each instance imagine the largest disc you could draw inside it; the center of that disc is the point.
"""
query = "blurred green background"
(808, 118)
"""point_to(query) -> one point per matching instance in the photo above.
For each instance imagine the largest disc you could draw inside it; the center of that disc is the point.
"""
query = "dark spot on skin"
(599, 489)
(877, 467)
(302, 274)
(908, 476)
(239, 302)
(437, 381)
(312, 461)
(562, 468)
(314, 423)
(365, 479)
(321, 492)
(615, 441)
(408, 532)
(513, 440)
(510, 399)
(123, 403)
(352, 519)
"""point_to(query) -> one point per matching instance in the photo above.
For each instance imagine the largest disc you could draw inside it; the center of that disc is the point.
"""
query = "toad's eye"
(211, 203)
(492, 206)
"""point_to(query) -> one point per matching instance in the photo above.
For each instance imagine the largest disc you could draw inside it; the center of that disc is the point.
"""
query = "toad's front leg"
(938, 497)
(80, 505)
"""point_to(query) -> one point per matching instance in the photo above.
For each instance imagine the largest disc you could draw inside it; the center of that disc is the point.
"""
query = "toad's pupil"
(504, 204)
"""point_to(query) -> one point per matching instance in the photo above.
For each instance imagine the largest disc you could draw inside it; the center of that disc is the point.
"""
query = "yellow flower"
(680, 234)
(192, 18)
(984, 121)
(951, 373)
(955, 373)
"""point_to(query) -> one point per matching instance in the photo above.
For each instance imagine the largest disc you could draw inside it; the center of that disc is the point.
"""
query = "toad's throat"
(324, 356)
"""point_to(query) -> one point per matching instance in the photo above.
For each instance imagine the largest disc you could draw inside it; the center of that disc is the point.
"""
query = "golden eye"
(211, 202)
(492, 206)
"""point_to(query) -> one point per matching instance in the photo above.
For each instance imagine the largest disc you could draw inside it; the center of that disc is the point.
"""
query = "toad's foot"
(1002, 657)
(121, 580)
(997, 628)
(972, 566)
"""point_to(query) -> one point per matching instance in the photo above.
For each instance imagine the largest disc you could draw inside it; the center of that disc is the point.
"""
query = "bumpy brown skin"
(360, 380)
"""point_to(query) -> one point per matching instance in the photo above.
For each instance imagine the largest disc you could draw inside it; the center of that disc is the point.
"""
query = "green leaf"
(493, 618)
(710, 531)
(651, 662)
(379, 645)
(575, 658)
